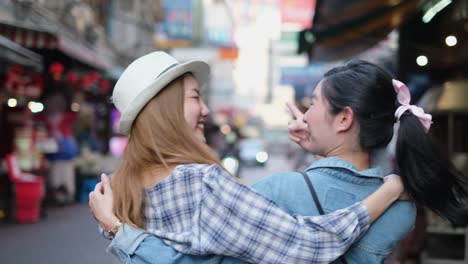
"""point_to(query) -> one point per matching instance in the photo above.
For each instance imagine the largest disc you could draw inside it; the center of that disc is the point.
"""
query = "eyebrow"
(196, 90)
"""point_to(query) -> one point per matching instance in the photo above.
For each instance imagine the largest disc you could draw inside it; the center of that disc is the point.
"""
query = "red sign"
(300, 12)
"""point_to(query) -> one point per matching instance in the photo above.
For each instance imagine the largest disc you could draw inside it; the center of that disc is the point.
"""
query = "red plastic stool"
(29, 191)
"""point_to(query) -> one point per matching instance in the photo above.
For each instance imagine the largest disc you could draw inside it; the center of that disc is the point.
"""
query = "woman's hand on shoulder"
(394, 184)
(101, 204)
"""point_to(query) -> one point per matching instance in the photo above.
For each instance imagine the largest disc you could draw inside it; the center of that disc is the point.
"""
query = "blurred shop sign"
(299, 12)
(177, 28)
(228, 54)
(289, 36)
(302, 75)
(178, 21)
(218, 24)
(171, 43)
(295, 16)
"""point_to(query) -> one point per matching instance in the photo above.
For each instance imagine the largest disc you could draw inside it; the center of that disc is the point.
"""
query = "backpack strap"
(314, 194)
(317, 203)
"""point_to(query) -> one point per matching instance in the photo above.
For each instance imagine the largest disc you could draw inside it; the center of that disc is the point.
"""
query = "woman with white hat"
(170, 183)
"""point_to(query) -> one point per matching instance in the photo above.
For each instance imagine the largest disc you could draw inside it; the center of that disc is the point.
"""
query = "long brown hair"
(160, 137)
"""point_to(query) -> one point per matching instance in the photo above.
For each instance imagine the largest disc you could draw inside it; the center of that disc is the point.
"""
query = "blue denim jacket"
(338, 184)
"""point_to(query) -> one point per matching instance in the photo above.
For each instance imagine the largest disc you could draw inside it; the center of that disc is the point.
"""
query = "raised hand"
(101, 203)
(298, 129)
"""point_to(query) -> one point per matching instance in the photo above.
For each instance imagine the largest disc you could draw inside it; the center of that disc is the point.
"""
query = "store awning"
(452, 96)
(12, 52)
(344, 28)
(36, 38)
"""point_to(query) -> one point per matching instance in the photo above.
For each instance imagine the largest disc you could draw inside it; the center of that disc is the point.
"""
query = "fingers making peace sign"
(295, 112)
(298, 129)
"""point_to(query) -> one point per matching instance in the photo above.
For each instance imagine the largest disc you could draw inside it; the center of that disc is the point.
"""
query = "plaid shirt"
(200, 209)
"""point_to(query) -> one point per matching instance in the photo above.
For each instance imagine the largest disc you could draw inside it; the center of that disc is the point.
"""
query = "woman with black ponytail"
(381, 106)
(357, 109)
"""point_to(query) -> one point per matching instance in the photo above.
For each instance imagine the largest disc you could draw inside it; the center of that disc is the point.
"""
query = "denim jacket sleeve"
(135, 246)
(127, 242)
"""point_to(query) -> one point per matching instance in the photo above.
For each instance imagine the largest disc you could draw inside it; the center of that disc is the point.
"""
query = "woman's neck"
(359, 158)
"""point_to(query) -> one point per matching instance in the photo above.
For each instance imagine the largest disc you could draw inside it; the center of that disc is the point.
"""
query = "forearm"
(135, 246)
(340, 229)
(379, 201)
(245, 225)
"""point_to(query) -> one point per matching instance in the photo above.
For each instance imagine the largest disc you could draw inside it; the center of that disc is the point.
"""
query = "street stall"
(75, 99)
(78, 96)
(21, 193)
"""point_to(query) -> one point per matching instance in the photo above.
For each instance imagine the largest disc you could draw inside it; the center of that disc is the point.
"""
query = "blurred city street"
(69, 234)
(276, 163)
(64, 63)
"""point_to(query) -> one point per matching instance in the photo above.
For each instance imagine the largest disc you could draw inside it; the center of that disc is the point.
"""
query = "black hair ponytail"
(429, 177)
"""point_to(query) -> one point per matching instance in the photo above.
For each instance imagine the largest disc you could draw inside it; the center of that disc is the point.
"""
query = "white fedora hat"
(146, 77)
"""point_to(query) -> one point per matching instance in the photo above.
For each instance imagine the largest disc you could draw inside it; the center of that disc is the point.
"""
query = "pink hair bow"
(404, 98)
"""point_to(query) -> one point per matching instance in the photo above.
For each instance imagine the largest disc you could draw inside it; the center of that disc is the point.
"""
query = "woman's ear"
(344, 119)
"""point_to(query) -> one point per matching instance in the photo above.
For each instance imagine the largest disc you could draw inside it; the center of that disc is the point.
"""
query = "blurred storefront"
(433, 60)
(18, 70)
(424, 44)
(58, 69)
(54, 45)
(448, 103)
(14, 53)
(342, 29)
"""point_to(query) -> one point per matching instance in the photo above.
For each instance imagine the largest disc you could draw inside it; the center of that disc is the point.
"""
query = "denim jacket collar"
(335, 162)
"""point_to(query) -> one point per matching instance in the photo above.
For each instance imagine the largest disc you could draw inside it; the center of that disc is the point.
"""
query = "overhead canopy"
(41, 39)
(343, 28)
(12, 52)
(451, 97)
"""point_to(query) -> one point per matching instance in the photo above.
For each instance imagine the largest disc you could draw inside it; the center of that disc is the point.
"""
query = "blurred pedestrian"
(59, 121)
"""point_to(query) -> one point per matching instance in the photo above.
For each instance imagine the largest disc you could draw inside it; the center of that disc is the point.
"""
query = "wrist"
(111, 225)
(392, 192)
(113, 231)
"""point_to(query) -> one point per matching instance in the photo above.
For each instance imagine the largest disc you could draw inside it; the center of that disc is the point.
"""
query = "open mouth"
(201, 125)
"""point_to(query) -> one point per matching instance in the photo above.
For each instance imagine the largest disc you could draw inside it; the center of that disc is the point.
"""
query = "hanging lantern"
(86, 82)
(104, 86)
(72, 77)
(56, 70)
(94, 76)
